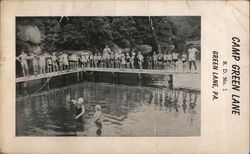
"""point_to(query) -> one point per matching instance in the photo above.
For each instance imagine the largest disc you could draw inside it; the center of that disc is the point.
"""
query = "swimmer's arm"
(83, 111)
(18, 58)
(96, 117)
(197, 51)
(73, 101)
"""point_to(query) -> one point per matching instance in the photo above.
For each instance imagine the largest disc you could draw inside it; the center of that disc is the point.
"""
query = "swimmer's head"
(98, 107)
(80, 100)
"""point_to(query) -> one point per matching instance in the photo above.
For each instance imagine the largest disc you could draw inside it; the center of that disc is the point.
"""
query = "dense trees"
(92, 33)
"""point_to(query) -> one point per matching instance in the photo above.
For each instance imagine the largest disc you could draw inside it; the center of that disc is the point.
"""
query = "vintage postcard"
(124, 77)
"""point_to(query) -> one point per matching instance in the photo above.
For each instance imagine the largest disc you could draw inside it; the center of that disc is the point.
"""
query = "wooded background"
(92, 33)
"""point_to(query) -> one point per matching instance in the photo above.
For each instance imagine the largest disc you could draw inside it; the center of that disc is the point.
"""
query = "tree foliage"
(92, 33)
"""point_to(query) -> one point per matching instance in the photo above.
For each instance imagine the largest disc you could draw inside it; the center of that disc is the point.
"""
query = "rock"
(30, 33)
(144, 49)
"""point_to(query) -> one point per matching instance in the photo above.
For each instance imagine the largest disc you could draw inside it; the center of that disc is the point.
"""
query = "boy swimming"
(98, 118)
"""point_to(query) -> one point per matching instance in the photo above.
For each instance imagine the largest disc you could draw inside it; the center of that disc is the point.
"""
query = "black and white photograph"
(108, 76)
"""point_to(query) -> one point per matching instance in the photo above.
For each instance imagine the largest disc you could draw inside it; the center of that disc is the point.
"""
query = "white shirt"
(91, 57)
(65, 59)
(42, 60)
(106, 52)
(175, 55)
(165, 57)
(170, 57)
(53, 58)
(117, 55)
(84, 58)
(123, 59)
(140, 57)
(155, 57)
(99, 57)
(192, 54)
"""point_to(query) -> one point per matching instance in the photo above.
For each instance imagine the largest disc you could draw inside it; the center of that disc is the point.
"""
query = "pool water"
(130, 110)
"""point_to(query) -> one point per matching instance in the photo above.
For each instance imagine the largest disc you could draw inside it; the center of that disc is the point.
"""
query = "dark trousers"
(190, 64)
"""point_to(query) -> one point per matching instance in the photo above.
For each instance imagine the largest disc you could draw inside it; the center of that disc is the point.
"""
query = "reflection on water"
(129, 111)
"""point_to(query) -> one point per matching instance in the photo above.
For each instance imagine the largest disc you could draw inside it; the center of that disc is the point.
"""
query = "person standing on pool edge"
(23, 59)
(106, 55)
(140, 60)
(192, 53)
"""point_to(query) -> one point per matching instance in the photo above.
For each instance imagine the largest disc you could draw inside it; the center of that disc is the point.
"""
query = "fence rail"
(111, 70)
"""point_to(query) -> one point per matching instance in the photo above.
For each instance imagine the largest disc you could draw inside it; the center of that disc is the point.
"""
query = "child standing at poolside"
(112, 60)
(42, 63)
(170, 58)
(49, 65)
(184, 60)
(160, 61)
(23, 59)
(132, 59)
(95, 60)
(123, 60)
(140, 60)
(102, 62)
(149, 60)
(155, 61)
(65, 62)
(165, 60)
(60, 59)
(91, 59)
(99, 58)
(35, 65)
(128, 60)
(54, 62)
(84, 60)
(117, 59)
(175, 56)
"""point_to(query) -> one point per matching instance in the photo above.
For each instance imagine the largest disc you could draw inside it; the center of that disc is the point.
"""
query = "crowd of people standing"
(57, 62)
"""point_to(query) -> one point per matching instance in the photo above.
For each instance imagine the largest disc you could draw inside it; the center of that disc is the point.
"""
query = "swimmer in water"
(98, 118)
(79, 108)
